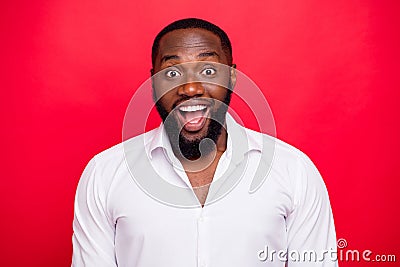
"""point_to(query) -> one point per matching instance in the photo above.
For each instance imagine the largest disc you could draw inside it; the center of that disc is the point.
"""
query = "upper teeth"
(192, 108)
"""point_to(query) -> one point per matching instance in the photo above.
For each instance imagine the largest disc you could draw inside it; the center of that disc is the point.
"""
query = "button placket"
(202, 242)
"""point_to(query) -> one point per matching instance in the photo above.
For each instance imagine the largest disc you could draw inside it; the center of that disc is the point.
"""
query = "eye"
(172, 73)
(208, 71)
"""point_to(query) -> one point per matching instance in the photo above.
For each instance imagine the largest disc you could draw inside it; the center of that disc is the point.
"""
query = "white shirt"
(248, 219)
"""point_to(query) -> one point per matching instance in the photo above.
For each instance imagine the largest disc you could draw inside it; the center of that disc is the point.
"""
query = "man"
(126, 213)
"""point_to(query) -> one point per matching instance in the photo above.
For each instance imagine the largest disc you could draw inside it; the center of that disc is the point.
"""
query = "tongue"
(194, 116)
(193, 120)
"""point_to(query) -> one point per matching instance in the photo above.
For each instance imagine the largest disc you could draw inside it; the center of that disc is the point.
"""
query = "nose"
(191, 89)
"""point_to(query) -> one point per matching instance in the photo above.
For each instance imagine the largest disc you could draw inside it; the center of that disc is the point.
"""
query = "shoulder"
(292, 168)
(281, 158)
(289, 153)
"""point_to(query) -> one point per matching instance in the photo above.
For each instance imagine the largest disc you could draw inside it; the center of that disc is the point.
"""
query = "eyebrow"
(168, 57)
(208, 54)
(201, 55)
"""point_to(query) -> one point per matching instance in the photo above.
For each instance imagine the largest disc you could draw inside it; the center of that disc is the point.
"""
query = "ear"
(233, 75)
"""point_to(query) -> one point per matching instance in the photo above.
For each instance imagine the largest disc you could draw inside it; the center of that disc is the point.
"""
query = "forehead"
(188, 43)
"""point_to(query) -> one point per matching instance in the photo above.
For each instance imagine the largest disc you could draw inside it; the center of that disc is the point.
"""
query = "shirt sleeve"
(93, 238)
(310, 226)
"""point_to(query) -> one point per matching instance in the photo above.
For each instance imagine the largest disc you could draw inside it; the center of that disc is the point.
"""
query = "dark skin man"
(184, 46)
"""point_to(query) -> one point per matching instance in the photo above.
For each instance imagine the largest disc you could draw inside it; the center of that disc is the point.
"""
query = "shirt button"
(201, 219)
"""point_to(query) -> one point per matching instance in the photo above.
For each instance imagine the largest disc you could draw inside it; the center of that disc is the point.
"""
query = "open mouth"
(193, 116)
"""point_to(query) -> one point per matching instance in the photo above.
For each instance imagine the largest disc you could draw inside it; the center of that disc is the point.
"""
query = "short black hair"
(193, 23)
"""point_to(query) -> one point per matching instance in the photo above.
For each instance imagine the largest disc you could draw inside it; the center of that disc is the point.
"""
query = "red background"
(329, 70)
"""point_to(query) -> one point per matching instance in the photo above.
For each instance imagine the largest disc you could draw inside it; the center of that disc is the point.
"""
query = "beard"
(194, 149)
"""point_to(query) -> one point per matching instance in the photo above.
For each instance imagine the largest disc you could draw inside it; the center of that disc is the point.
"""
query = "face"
(194, 107)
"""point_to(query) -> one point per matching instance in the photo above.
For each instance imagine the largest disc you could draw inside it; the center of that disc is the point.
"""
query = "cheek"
(165, 103)
(217, 92)
(166, 100)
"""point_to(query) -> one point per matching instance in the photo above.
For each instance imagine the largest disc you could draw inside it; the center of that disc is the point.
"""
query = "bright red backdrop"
(69, 69)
